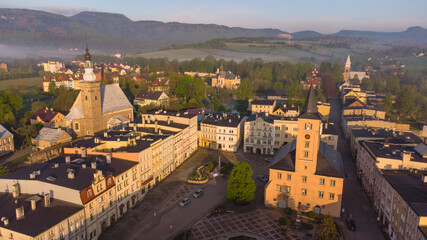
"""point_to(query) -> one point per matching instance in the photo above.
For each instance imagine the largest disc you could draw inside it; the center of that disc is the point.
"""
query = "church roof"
(75, 113)
(113, 99)
(348, 62)
(310, 108)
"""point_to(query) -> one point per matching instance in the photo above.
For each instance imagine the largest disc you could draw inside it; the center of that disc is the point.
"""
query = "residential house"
(151, 98)
(3, 66)
(47, 117)
(6, 141)
(49, 137)
(259, 106)
(222, 131)
(225, 79)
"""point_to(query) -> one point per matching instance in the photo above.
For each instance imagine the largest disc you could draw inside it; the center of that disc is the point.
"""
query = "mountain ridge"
(111, 32)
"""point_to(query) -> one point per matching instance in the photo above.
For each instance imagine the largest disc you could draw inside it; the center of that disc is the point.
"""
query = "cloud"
(67, 11)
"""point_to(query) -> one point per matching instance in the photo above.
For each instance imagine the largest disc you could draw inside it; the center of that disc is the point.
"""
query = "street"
(355, 200)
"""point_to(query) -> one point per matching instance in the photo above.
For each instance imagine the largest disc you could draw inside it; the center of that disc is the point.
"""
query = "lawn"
(14, 84)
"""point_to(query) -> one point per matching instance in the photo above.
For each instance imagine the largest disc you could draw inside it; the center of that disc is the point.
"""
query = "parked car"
(262, 178)
(184, 202)
(199, 192)
(351, 224)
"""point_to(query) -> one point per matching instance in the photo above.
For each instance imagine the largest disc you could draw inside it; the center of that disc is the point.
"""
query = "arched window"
(109, 181)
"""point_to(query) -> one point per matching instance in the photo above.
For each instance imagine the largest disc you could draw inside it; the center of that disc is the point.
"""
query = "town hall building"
(306, 174)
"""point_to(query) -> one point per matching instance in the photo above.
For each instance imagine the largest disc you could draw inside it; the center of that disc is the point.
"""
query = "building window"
(288, 189)
(307, 144)
(86, 98)
(289, 177)
(306, 154)
(333, 183)
(278, 188)
(304, 192)
(331, 196)
(96, 98)
(308, 126)
(322, 181)
(321, 194)
(304, 179)
(279, 176)
(76, 126)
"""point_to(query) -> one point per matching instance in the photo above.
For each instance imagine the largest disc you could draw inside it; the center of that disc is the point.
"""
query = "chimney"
(56, 165)
(84, 165)
(169, 121)
(424, 178)
(32, 175)
(105, 134)
(134, 128)
(156, 126)
(5, 221)
(84, 153)
(20, 213)
(93, 165)
(143, 121)
(67, 159)
(47, 199)
(406, 158)
(71, 175)
(229, 120)
(15, 190)
(33, 205)
(148, 120)
(109, 156)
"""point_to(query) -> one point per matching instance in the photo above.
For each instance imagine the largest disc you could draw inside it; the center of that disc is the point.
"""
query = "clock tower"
(308, 136)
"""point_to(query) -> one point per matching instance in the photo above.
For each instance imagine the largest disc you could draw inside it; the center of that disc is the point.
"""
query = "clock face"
(307, 136)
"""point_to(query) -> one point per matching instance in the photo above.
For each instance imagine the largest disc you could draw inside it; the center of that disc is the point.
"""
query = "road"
(355, 200)
(15, 155)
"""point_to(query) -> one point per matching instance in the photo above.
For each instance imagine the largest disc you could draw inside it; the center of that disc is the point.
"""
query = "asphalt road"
(355, 200)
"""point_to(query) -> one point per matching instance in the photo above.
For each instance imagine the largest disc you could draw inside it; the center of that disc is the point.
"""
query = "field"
(27, 83)
(415, 63)
(268, 51)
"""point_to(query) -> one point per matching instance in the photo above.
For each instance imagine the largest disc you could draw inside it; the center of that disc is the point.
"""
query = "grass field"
(14, 84)
(268, 51)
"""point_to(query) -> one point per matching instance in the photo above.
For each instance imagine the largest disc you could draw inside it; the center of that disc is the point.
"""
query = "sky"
(325, 16)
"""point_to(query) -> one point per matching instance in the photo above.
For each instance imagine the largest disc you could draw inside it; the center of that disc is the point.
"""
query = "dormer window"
(89, 193)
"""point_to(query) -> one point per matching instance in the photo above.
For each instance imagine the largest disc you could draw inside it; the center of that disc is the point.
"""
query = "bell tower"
(308, 136)
(90, 95)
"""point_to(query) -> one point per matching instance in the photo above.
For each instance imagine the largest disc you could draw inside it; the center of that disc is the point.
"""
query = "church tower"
(308, 136)
(347, 69)
(91, 99)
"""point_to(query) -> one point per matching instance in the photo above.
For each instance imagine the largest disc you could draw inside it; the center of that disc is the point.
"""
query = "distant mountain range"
(110, 32)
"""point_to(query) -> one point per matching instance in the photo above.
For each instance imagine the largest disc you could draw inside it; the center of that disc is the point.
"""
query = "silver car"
(184, 202)
(199, 192)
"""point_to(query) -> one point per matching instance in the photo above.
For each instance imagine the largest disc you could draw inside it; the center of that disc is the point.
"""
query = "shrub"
(312, 215)
(307, 226)
(284, 221)
(209, 167)
(288, 211)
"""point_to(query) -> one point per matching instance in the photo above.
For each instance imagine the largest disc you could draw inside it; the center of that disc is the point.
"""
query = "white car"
(199, 192)
(184, 202)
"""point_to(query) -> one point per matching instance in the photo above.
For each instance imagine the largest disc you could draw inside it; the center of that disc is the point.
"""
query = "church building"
(96, 106)
(306, 174)
(348, 74)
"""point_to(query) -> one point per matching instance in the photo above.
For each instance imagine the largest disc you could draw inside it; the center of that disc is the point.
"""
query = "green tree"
(244, 91)
(294, 93)
(284, 221)
(277, 85)
(52, 89)
(241, 187)
(10, 103)
(338, 70)
(64, 101)
(3, 171)
(388, 103)
(367, 84)
(37, 105)
(393, 84)
(329, 230)
(405, 102)
(216, 104)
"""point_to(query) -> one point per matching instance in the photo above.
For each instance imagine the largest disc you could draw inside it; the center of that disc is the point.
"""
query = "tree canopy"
(329, 230)
(10, 103)
(241, 187)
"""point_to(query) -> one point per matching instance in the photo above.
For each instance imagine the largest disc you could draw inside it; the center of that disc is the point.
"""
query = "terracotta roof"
(45, 115)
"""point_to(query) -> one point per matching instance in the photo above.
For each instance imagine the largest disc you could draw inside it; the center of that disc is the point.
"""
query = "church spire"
(88, 75)
(348, 62)
(87, 55)
(310, 107)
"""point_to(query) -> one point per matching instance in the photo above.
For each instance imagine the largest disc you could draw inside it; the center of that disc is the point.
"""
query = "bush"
(284, 221)
(209, 167)
(307, 226)
(312, 215)
(288, 211)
